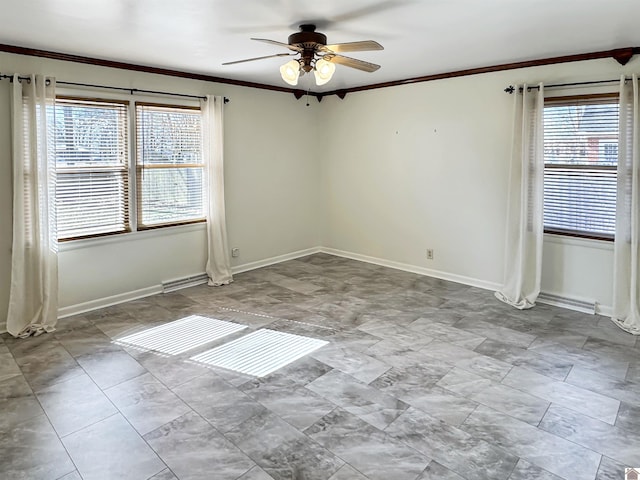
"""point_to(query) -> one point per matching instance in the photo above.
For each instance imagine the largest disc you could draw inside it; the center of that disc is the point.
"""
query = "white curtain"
(219, 262)
(33, 296)
(626, 291)
(523, 246)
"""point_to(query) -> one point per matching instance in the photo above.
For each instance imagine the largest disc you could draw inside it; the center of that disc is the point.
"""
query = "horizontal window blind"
(91, 166)
(580, 155)
(169, 165)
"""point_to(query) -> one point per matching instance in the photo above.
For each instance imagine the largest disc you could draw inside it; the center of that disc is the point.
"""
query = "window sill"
(578, 242)
(131, 236)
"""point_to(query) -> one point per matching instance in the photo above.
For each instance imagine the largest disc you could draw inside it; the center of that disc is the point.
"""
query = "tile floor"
(421, 379)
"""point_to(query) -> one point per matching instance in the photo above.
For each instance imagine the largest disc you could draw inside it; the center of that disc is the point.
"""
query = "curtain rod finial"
(510, 89)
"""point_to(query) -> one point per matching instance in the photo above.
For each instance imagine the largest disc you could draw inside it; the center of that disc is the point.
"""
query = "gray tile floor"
(421, 379)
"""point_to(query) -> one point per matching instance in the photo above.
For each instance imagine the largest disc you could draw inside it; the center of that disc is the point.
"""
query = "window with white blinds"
(580, 161)
(104, 187)
(169, 165)
(92, 162)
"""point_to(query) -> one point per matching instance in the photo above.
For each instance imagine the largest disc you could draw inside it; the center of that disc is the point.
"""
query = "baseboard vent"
(173, 285)
(585, 306)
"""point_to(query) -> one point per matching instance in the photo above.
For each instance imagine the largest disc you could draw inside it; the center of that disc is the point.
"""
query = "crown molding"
(34, 52)
(621, 55)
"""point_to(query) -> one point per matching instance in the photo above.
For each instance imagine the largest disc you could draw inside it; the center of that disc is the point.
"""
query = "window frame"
(139, 167)
(101, 169)
(130, 101)
(567, 100)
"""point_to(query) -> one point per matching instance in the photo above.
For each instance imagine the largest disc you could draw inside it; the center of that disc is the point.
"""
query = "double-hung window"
(169, 165)
(92, 164)
(580, 161)
(124, 166)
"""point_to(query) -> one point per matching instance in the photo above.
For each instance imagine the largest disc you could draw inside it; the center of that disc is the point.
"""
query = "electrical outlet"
(429, 254)
(235, 252)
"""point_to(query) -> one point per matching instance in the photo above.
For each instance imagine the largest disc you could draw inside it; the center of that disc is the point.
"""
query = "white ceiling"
(420, 37)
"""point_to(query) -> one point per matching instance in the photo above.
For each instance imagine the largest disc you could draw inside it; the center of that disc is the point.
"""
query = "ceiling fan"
(316, 55)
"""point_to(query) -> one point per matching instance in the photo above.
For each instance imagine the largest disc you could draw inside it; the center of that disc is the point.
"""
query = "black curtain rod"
(123, 89)
(511, 89)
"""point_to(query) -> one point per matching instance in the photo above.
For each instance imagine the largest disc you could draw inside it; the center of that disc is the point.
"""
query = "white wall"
(426, 166)
(579, 269)
(385, 174)
(272, 194)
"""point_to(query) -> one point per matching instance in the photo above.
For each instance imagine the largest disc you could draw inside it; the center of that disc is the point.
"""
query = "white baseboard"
(273, 260)
(473, 282)
(604, 310)
(108, 301)
(155, 289)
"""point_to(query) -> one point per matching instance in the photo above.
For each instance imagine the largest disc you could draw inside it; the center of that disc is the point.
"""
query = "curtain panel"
(523, 243)
(33, 296)
(626, 291)
(219, 262)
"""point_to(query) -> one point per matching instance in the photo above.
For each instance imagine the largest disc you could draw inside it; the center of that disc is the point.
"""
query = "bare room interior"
(302, 240)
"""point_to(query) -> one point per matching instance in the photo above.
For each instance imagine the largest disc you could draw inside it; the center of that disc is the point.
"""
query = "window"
(169, 165)
(103, 188)
(92, 164)
(580, 161)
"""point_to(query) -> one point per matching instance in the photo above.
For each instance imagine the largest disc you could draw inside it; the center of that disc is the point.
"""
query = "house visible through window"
(97, 173)
(580, 161)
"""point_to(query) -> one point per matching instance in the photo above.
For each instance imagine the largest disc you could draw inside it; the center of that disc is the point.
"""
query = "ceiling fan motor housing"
(309, 40)
(307, 34)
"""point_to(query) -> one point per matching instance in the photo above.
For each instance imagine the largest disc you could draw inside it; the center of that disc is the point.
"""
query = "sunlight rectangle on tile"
(260, 353)
(179, 336)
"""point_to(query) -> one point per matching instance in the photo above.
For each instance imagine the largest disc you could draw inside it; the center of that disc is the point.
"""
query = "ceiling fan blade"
(362, 46)
(352, 62)
(259, 58)
(280, 44)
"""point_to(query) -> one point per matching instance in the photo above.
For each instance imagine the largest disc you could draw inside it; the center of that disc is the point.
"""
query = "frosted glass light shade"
(323, 71)
(290, 72)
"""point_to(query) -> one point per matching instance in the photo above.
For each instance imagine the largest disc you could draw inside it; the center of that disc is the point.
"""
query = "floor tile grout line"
(599, 465)
(338, 407)
(192, 411)
(118, 412)
(143, 439)
(217, 431)
(598, 356)
(544, 415)
(547, 432)
(515, 465)
(271, 413)
(563, 406)
(69, 473)
(56, 432)
(599, 393)
(569, 440)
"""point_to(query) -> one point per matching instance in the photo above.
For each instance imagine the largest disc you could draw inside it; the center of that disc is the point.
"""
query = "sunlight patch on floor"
(179, 336)
(260, 353)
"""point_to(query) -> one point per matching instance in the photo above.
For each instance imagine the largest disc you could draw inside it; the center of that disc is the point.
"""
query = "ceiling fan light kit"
(316, 55)
(290, 72)
(323, 71)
